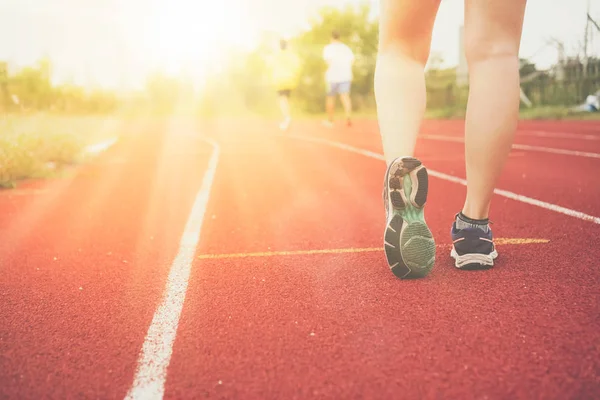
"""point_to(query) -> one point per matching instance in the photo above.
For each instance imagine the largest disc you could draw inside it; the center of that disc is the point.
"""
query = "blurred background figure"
(591, 104)
(286, 68)
(339, 58)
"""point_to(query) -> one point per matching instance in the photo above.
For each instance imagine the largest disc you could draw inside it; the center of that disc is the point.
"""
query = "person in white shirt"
(339, 59)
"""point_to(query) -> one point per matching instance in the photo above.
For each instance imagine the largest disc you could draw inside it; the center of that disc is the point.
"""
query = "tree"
(358, 31)
(244, 83)
(32, 85)
(526, 67)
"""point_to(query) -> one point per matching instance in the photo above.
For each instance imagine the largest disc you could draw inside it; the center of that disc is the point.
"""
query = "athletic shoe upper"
(472, 240)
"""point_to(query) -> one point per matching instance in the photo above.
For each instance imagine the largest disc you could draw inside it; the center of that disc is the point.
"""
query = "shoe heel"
(409, 248)
(418, 249)
(420, 179)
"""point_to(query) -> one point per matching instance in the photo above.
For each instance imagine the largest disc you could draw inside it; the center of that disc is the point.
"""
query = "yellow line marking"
(503, 241)
(292, 253)
(500, 241)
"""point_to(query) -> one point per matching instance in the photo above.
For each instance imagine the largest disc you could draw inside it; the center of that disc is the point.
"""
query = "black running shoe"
(472, 248)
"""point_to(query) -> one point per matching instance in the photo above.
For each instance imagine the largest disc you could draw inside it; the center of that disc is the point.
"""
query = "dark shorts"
(284, 92)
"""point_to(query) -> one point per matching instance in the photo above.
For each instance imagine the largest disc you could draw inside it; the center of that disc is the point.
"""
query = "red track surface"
(85, 261)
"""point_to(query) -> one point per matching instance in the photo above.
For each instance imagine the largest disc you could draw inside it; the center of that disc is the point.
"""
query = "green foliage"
(240, 88)
(527, 68)
(246, 84)
(32, 85)
(30, 89)
(38, 145)
(241, 83)
(359, 32)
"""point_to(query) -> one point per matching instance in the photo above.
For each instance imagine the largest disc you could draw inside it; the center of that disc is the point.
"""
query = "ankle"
(473, 221)
(476, 213)
(464, 222)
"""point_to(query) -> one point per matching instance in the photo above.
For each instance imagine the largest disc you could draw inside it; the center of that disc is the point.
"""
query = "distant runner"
(285, 70)
(339, 59)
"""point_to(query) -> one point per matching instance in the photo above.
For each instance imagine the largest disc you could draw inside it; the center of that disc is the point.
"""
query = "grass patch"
(40, 145)
(554, 112)
(539, 113)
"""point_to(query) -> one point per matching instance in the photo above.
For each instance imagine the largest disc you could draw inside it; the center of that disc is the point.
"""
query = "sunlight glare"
(188, 35)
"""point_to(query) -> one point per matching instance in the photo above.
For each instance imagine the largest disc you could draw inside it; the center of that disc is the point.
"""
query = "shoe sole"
(474, 261)
(408, 242)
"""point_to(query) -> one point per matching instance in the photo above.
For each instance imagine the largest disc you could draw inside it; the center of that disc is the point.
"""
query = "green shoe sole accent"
(409, 244)
(417, 247)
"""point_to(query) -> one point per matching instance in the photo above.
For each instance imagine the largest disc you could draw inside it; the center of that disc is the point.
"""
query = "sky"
(114, 43)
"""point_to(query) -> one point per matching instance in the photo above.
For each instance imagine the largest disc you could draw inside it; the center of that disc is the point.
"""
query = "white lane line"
(100, 147)
(154, 358)
(527, 147)
(559, 135)
(556, 151)
(455, 179)
(523, 199)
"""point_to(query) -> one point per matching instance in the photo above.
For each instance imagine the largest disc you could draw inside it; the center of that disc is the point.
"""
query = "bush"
(32, 147)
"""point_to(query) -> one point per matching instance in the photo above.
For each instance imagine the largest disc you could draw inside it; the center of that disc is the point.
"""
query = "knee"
(409, 39)
(478, 49)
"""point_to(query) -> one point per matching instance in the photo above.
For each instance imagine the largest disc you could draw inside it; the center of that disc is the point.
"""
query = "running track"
(95, 267)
